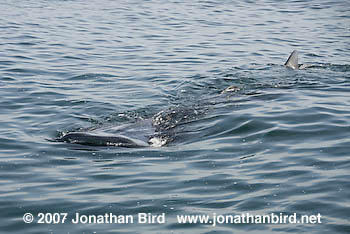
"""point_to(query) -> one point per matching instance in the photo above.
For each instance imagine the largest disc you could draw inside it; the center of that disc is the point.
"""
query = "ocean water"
(279, 143)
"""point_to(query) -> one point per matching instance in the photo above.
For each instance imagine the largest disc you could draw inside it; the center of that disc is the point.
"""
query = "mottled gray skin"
(84, 138)
(142, 133)
(127, 135)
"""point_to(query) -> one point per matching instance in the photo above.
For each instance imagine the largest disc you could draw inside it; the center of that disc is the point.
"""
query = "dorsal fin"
(292, 61)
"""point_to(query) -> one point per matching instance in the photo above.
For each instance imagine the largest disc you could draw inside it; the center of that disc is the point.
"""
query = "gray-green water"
(278, 145)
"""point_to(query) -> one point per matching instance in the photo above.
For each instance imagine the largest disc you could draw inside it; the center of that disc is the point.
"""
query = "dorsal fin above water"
(292, 61)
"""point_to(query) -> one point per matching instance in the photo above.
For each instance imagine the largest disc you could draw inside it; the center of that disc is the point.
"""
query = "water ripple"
(276, 141)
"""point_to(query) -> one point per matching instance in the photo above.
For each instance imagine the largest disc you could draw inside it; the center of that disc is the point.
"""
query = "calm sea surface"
(279, 144)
